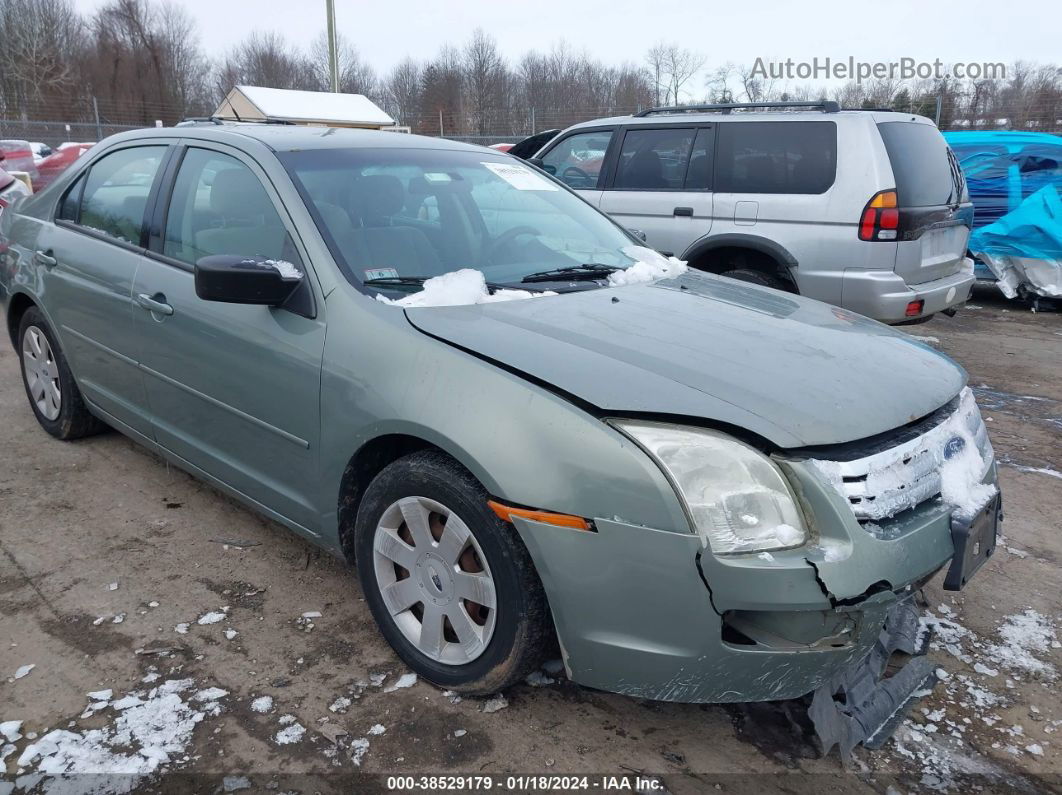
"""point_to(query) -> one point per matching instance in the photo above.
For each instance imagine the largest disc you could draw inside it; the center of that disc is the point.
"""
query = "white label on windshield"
(519, 177)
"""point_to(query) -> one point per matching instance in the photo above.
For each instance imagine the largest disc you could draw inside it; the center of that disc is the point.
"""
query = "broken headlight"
(738, 499)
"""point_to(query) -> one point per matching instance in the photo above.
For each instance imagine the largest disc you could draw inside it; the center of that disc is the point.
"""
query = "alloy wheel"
(42, 373)
(435, 580)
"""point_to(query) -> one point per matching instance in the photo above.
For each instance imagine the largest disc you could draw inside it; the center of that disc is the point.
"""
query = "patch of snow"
(311, 614)
(405, 680)
(181, 629)
(101, 695)
(983, 669)
(235, 783)
(289, 734)
(340, 704)
(1038, 470)
(460, 733)
(287, 719)
(495, 703)
(539, 679)
(23, 670)
(1035, 748)
(262, 704)
(143, 737)
(377, 679)
(210, 694)
(286, 269)
(358, 749)
(459, 288)
(927, 340)
(10, 730)
(211, 618)
(377, 729)
(112, 587)
(767, 556)
(1021, 635)
(230, 633)
(649, 266)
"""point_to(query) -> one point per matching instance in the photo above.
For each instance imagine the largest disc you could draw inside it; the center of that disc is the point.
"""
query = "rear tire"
(756, 277)
(426, 541)
(50, 387)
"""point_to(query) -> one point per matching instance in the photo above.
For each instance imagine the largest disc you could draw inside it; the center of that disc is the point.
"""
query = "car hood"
(794, 371)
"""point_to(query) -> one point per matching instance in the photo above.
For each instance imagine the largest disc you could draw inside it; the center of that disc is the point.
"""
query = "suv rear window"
(920, 163)
(775, 156)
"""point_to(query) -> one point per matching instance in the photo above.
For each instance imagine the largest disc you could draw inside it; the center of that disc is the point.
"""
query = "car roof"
(291, 137)
(682, 118)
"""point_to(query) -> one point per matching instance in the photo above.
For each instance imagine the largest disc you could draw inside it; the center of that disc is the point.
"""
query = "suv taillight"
(880, 218)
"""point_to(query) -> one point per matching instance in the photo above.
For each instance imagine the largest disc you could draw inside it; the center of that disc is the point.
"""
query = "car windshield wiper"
(399, 282)
(590, 270)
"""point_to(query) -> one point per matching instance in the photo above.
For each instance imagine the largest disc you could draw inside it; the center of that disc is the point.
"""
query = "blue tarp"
(1014, 179)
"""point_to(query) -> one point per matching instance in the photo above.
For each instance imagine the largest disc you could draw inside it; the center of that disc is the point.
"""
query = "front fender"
(525, 444)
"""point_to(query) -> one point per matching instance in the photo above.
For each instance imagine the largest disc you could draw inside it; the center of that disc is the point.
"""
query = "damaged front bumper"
(654, 614)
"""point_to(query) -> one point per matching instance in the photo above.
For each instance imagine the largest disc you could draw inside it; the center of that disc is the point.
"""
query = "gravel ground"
(120, 573)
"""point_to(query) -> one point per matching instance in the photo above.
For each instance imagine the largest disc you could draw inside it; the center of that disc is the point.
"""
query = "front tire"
(50, 387)
(451, 586)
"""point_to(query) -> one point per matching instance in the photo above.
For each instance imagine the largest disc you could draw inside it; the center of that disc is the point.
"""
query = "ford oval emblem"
(953, 447)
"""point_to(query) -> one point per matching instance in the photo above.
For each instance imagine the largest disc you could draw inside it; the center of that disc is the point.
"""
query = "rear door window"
(921, 164)
(654, 159)
(775, 157)
(116, 191)
(577, 160)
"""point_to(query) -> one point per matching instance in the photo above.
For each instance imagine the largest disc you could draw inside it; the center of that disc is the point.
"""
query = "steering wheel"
(577, 174)
(505, 238)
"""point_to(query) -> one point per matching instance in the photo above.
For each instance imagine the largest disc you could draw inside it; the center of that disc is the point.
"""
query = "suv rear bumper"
(884, 296)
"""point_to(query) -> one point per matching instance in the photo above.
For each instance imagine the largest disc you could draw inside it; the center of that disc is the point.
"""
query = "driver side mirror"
(233, 279)
(638, 233)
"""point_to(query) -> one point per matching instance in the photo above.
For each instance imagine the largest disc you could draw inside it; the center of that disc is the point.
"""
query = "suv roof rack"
(826, 106)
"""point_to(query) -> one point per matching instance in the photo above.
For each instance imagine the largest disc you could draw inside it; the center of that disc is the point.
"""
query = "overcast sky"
(385, 31)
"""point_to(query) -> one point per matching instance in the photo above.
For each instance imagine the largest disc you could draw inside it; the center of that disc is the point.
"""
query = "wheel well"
(726, 258)
(363, 466)
(20, 302)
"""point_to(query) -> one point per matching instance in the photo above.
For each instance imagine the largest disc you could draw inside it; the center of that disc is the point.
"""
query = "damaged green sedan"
(517, 422)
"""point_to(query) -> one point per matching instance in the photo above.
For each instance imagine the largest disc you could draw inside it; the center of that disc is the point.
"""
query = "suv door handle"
(684, 211)
(153, 304)
(45, 258)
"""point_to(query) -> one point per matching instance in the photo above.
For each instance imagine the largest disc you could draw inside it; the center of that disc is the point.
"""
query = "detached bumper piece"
(975, 541)
(858, 705)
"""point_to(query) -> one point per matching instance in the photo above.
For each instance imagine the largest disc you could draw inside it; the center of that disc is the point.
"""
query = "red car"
(57, 162)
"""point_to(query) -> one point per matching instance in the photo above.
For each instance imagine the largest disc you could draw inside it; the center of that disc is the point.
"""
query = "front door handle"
(156, 303)
(684, 211)
(45, 258)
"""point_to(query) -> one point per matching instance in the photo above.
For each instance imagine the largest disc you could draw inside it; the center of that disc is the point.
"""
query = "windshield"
(398, 215)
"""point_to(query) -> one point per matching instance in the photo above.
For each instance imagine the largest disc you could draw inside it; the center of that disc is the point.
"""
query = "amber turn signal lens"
(506, 514)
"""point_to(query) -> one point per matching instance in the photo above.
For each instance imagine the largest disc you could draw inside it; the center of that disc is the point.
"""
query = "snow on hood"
(469, 286)
(459, 288)
(648, 267)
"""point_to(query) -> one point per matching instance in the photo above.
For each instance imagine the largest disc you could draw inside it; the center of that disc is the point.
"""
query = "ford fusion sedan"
(525, 430)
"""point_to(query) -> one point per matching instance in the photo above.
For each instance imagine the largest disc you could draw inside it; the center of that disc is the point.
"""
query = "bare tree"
(401, 91)
(355, 75)
(671, 68)
(266, 59)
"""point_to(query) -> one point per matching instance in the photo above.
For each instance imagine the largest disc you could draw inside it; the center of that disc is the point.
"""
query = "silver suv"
(865, 209)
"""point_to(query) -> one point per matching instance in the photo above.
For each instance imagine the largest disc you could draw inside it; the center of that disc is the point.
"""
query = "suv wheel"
(54, 397)
(451, 586)
(756, 277)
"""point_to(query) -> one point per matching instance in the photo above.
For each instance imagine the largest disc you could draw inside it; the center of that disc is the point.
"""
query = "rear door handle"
(154, 304)
(684, 211)
(45, 258)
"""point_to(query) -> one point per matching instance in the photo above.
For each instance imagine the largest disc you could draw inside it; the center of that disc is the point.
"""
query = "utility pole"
(333, 55)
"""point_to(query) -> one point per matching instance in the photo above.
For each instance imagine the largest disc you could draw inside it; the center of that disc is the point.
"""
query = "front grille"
(887, 482)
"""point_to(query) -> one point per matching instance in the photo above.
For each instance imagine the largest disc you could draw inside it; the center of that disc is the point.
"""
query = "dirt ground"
(106, 553)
